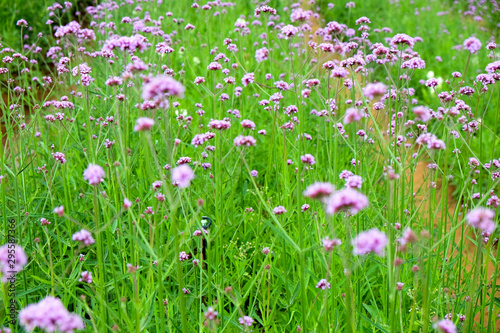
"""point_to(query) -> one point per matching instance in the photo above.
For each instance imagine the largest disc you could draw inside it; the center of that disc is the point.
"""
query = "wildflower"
(143, 124)
(289, 31)
(83, 236)
(472, 44)
(182, 175)
(94, 174)
(354, 182)
(247, 79)
(261, 54)
(330, 244)
(373, 89)
(59, 157)
(408, 237)
(266, 250)
(323, 284)
(445, 326)
(183, 256)
(162, 85)
(211, 314)
(246, 321)
(254, 173)
(245, 141)
(127, 203)
(424, 113)
(59, 211)
(86, 277)
(372, 240)
(248, 124)
(12, 259)
(481, 218)
(402, 39)
(346, 199)
(400, 285)
(319, 190)
(279, 210)
(308, 159)
(50, 315)
(353, 114)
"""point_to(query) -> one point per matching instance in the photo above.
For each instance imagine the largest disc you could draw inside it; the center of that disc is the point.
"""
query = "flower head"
(372, 240)
(94, 174)
(346, 199)
(481, 218)
(182, 175)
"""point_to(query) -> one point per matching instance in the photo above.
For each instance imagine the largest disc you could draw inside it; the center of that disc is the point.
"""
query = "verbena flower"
(369, 241)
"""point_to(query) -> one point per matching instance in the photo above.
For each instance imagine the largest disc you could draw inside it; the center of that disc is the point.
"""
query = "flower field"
(247, 166)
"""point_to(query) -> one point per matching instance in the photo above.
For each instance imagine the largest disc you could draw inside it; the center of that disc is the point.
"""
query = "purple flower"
(50, 315)
(242, 140)
(308, 159)
(354, 182)
(160, 86)
(83, 236)
(323, 284)
(254, 173)
(246, 321)
(472, 44)
(481, 218)
(373, 89)
(144, 124)
(183, 256)
(289, 31)
(353, 114)
(247, 79)
(279, 210)
(346, 199)
(211, 314)
(182, 175)
(94, 174)
(372, 240)
(319, 190)
(446, 326)
(86, 277)
(261, 54)
(330, 244)
(59, 211)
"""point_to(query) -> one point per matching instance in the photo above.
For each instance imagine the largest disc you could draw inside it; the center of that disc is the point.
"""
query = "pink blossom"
(246, 321)
(59, 211)
(330, 244)
(472, 44)
(308, 159)
(323, 284)
(346, 199)
(372, 240)
(353, 114)
(161, 86)
(83, 236)
(50, 315)
(245, 141)
(143, 124)
(446, 326)
(279, 210)
(94, 174)
(319, 190)
(182, 175)
(481, 218)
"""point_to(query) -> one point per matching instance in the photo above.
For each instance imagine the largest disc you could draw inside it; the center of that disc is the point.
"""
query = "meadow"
(250, 166)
